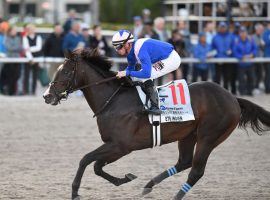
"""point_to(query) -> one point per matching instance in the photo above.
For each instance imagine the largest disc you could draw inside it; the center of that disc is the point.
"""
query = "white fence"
(123, 60)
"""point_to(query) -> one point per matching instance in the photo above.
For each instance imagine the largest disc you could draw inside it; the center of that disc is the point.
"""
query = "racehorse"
(125, 128)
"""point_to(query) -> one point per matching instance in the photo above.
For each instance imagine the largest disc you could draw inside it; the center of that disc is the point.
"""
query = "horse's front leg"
(114, 180)
(104, 152)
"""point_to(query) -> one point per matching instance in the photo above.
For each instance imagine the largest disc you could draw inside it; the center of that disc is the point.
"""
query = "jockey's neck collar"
(131, 50)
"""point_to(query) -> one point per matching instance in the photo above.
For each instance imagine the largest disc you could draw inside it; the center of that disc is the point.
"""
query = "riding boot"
(152, 95)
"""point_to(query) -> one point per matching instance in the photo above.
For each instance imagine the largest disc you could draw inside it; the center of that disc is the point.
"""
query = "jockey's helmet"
(121, 37)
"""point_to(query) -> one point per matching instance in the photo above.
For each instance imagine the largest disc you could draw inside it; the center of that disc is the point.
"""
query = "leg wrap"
(172, 171)
(186, 187)
(160, 177)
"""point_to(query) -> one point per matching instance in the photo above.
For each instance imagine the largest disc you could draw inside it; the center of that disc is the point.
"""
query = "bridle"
(72, 81)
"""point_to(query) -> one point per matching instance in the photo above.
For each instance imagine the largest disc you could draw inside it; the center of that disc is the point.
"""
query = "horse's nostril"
(47, 96)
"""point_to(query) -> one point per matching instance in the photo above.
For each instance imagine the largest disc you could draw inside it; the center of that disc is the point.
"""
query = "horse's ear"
(67, 54)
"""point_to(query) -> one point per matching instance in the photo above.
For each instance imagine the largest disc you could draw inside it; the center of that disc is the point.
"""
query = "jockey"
(155, 57)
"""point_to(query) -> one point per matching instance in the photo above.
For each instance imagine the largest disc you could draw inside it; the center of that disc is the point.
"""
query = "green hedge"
(122, 11)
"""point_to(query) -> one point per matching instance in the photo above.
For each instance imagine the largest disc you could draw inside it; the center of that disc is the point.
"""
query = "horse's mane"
(92, 57)
(99, 63)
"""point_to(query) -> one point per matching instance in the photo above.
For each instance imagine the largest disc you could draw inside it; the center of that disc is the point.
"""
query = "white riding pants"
(163, 67)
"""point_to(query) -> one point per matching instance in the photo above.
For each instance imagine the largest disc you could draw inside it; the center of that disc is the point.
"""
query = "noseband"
(72, 81)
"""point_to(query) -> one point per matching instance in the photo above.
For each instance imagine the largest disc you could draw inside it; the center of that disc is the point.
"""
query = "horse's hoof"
(177, 198)
(76, 198)
(146, 191)
(128, 178)
(131, 177)
(180, 195)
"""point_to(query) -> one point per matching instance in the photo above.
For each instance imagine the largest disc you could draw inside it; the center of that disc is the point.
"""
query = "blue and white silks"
(157, 58)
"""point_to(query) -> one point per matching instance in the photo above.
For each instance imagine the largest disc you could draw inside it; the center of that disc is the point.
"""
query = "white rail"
(210, 1)
(123, 60)
(210, 18)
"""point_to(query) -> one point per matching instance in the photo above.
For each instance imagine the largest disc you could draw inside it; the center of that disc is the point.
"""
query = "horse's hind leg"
(202, 152)
(209, 135)
(186, 148)
(114, 180)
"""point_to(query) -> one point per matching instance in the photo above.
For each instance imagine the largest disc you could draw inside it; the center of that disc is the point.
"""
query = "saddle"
(174, 102)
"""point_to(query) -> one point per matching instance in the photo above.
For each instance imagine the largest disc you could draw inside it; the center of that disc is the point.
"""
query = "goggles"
(120, 46)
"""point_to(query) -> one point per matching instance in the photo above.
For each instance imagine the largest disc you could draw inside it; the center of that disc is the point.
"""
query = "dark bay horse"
(125, 128)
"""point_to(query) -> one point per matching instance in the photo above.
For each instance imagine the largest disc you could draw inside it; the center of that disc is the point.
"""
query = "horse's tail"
(254, 115)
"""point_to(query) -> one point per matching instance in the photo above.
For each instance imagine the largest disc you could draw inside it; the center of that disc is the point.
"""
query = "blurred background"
(222, 41)
(225, 41)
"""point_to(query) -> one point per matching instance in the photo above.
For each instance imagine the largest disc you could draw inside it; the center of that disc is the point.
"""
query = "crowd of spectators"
(225, 41)
(21, 79)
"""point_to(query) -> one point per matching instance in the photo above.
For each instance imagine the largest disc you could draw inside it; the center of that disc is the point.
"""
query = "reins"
(92, 84)
(107, 102)
(98, 83)
(70, 90)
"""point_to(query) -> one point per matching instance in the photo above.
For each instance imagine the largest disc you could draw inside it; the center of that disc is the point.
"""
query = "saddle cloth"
(174, 102)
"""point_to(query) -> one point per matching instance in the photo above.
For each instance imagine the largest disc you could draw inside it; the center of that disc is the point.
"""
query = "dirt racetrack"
(41, 147)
